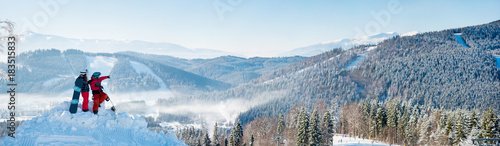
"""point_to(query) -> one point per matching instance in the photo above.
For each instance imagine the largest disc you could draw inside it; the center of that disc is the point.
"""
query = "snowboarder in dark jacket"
(85, 90)
(98, 95)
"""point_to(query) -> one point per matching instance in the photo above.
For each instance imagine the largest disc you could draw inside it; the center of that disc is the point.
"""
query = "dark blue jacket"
(85, 87)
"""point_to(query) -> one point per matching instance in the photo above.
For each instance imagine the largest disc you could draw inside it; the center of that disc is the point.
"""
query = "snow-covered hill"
(59, 127)
(343, 43)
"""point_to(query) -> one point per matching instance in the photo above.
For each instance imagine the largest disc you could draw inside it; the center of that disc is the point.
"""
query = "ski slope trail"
(101, 64)
(141, 68)
(359, 58)
(59, 127)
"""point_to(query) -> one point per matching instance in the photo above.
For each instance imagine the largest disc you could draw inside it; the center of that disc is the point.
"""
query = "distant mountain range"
(31, 41)
(319, 48)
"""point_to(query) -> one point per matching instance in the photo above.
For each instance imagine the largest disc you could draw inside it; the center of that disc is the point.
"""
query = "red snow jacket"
(95, 84)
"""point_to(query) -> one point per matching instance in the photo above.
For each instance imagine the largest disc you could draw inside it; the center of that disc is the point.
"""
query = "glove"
(107, 99)
(109, 77)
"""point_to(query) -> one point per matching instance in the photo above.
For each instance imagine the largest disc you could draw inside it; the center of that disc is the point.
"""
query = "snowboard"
(76, 95)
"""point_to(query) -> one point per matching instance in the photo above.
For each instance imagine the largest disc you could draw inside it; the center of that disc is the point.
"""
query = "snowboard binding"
(113, 105)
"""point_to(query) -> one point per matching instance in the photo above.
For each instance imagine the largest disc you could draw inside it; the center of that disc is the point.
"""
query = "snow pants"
(85, 105)
(98, 99)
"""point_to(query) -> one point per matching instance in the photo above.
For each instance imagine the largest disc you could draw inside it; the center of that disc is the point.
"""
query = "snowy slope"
(100, 64)
(360, 58)
(141, 68)
(59, 127)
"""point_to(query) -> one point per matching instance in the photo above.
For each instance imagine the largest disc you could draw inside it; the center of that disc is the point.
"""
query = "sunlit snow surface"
(59, 127)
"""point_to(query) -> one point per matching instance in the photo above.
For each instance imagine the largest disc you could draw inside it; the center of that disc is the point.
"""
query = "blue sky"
(250, 27)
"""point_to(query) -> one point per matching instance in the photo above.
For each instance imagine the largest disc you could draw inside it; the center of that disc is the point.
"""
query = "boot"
(95, 112)
(85, 110)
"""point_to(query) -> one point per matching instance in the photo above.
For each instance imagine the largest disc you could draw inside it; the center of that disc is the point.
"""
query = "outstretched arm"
(103, 78)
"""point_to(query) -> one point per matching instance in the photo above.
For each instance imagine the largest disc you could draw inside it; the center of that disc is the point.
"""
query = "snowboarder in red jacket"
(98, 94)
(85, 90)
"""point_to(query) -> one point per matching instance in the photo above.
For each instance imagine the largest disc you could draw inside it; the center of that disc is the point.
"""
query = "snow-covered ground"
(141, 68)
(59, 127)
(353, 141)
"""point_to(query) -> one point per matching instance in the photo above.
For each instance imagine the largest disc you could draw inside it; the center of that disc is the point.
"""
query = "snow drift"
(59, 127)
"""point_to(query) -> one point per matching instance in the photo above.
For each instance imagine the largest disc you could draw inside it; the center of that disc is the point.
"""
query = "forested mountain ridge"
(428, 69)
(230, 69)
(432, 69)
(53, 71)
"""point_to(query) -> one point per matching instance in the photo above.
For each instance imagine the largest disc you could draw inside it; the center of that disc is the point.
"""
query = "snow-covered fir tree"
(459, 131)
(381, 118)
(303, 128)
(216, 135)
(206, 140)
(315, 136)
(281, 124)
(327, 124)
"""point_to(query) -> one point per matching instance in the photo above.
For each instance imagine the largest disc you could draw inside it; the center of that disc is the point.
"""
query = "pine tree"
(403, 124)
(392, 115)
(216, 135)
(206, 140)
(373, 120)
(381, 118)
(281, 124)
(328, 123)
(303, 128)
(489, 125)
(232, 138)
(449, 130)
(471, 121)
(236, 134)
(425, 132)
(315, 136)
(239, 133)
(459, 129)
(251, 140)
